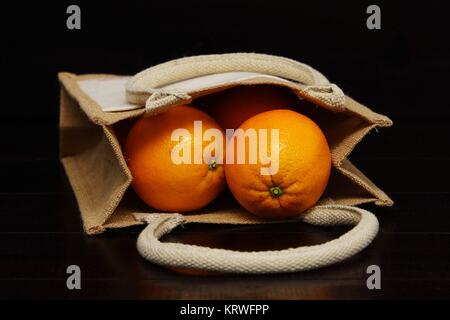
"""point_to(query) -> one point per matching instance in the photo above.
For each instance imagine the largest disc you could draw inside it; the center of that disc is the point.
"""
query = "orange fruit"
(303, 167)
(157, 179)
(230, 108)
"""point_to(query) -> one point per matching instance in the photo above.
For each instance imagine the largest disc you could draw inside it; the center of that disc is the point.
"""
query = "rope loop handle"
(190, 67)
(260, 262)
(147, 88)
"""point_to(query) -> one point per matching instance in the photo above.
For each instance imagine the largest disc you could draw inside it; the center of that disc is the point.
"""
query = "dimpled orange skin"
(304, 167)
(157, 180)
(232, 107)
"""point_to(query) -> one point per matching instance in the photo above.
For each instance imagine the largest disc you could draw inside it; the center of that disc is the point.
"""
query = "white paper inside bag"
(110, 93)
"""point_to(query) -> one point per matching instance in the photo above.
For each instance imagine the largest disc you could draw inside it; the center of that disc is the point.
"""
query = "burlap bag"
(92, 157)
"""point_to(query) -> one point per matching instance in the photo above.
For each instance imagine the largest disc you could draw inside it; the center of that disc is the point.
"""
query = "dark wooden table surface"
(41, 232)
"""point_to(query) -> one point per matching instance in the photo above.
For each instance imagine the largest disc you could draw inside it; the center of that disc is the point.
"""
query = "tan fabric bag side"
(93, 163)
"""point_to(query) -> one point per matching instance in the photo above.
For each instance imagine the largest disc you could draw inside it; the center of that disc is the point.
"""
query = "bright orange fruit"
(303, 168)
(230, 108)
(161, 183)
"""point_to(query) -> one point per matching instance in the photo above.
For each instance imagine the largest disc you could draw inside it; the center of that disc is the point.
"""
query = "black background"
(398, 70)
(401, 70)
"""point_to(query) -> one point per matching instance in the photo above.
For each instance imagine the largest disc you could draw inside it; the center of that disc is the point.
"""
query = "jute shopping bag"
(95, 107)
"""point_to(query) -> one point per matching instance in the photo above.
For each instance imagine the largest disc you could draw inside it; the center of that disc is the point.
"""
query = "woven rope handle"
(191, 67)
(259, 262)
(147, 87)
